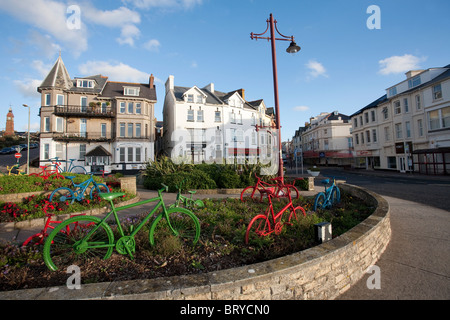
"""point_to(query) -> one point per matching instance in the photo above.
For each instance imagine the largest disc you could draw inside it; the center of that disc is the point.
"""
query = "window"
(433, 120)
(217, 116)
(122, 107)
(47, 99)
(437, 92)
(190, 115)
(59, 150)
(405, 105)
(190, 98)
(398, 131)
(131, 91)
(372, 113)
(368, 136)
(138, 154)
(418, 104)
(138, 130)
(83, 103)
(82, 151)
(122, 130)
(374, 135)
(239, 135)
(366, 117)
(253, 120)
(357, 138)
(361, 121)
(122, 154)
(414, 82)
(397, 107)
(408, 129)
(387, 134)
(233, 117)
(362, 138)
(130, 130)
(83, 127)
(47, 124)
(218, 137)
(445, 117)
(325, 144)
(200, 115)
(355, 122)
(103, 130)
(239, 121)
(81, 83)
(130, 154)
(420, 127)
(46, 151)
(385, 113)
(199, 99)
(59, 124)
(138, 108)
(392, 162)
(253, 137)
(60, 100)
(130, 107)
(392, 91)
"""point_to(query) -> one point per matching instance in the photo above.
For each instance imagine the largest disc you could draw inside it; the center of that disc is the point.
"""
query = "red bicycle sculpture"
(280, 189)
(265, 224)
(39, 238)
(49, 172)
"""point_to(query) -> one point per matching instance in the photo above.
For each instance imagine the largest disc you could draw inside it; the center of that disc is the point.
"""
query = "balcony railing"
(84, 111)
(82, 136)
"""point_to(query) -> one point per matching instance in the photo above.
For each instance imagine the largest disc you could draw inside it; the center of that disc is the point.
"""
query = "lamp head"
(293, 48)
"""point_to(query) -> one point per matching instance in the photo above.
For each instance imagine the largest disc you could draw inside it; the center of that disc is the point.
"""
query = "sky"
(351, 50)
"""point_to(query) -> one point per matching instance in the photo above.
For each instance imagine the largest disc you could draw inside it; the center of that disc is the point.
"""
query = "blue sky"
(343, 65)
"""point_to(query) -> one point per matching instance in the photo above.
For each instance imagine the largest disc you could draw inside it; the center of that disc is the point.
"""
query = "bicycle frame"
(114, 211)
(81, 188)
(276, 217)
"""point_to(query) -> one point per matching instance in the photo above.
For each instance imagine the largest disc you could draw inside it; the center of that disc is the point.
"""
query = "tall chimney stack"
(151, 81)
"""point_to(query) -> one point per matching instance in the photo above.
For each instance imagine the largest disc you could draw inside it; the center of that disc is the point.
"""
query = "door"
(83, 128)
(402, 164)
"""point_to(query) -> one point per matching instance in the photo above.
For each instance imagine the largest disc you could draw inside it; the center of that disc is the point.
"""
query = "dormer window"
(131, 91)
(199, 99)
(190, 98)
(83, 83)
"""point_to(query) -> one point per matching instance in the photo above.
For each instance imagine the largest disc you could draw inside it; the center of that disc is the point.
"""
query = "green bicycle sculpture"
(96, 238)
(187, 202)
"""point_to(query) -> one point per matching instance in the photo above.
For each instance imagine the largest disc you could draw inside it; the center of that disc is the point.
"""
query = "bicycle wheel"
(294, 214)
(335, 195)
(294, 192)
(35, 239)
(251, 193)
(78, 169)
(183, 221)
(62, 194)
(199, 203)
(258, 227)
(76, 240)
(319, 201)
(99, 188)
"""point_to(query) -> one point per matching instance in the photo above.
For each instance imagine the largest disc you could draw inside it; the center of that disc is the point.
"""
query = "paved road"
(9, 159)
(416, 263)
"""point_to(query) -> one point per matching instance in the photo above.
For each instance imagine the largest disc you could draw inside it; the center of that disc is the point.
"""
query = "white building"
(103, 125)
(206, 125)
(327, 140)
(408, 128)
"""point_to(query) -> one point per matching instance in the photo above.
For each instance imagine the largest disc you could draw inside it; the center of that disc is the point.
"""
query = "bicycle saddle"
(70, 177)
(111, 196)
(326, 181)
(269, 191)
(192, 192)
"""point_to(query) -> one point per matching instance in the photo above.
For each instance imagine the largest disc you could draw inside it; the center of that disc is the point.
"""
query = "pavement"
(414, 266)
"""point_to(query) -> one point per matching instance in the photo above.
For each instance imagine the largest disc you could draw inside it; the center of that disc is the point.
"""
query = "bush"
(192, 180)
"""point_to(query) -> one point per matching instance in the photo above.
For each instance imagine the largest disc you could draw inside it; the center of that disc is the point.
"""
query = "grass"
(221, 246)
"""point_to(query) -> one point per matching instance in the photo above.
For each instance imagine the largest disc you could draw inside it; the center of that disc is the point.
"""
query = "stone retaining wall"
(321, 272)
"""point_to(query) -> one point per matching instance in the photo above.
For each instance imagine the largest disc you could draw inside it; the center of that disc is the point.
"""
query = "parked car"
(23, 146)
(34, 145)
(7, 150)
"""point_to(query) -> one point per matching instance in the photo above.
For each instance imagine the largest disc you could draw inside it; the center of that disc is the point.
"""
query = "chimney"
(152, 81)
(412, 73)
(210, 87)
(242, 93)
(170, 84)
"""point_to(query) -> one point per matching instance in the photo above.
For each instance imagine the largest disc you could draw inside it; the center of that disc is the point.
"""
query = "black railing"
(85, 111)
(82, 136)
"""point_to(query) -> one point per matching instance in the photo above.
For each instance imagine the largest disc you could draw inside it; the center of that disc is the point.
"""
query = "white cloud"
(129, 33)
(49, 17)
(114, 71)
(399, 64)
(152, 45)
(28, 87)
(301, 108)
(316, 69)
(146, 4)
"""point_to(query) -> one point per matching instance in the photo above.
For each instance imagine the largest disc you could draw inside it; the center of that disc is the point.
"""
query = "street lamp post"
(293, 48)
(28, 143)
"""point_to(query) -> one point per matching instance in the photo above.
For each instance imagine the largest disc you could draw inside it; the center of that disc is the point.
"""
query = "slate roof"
(115, 89)
(58, 77)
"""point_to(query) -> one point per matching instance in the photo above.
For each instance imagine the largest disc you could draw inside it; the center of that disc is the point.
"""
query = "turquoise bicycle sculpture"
(89, 186)
(329, 197)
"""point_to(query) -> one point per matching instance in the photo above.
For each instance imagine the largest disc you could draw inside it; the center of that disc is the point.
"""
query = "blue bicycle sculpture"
(329, 197)
(89, 186)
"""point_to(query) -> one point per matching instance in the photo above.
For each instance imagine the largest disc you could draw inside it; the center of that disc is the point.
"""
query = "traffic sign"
(18, 155)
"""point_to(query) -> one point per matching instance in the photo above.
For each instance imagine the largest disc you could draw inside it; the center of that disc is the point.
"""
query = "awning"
(98, 152)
